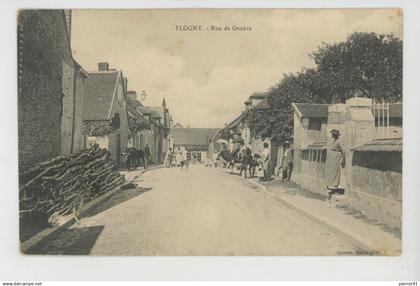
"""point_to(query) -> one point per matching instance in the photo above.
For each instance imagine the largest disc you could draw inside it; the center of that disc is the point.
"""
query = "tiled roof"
(311, 110)
(258, 95)
(133, 102)
(158, 110)
(193, 136)
(262, 105)
(395, 111)
(98, 93)
(315, 146)
(133, 111)
(236, 121)
(390, 144)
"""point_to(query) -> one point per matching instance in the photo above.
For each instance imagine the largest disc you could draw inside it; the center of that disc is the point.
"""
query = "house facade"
(105, 119)
(51, 87)
(195, 141)
(152, 127)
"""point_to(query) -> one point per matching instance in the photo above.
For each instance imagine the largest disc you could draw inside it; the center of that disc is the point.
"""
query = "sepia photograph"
(210, 132)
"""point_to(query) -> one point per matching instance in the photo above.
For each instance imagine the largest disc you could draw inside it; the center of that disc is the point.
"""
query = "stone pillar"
(360, 129)
(337, 120)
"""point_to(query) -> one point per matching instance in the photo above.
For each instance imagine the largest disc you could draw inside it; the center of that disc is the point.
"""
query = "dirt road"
(200, 211)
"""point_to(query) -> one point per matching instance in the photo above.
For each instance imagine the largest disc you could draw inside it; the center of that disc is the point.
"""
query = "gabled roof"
(387, 144)
(193, 136)
(98, 94)
(133, 102)
(311, 110)
(143, 110)
(133, 111)
(236, 121)
(258, 95)
(158, 109)
(262, 105)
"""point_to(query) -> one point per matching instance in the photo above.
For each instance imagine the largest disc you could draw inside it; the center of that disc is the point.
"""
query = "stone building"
(50, 87)
(154, 129)
(194, 140)
(372, 177)
(105, 119)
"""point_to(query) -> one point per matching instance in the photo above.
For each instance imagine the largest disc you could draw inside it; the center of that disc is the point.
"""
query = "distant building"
(195, 140)
(50, 87)
(239, 129)
(105, 119)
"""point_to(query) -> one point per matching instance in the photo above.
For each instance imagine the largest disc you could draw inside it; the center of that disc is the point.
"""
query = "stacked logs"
(63, 184)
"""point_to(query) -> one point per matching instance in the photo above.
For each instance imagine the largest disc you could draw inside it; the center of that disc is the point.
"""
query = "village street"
(199, 211)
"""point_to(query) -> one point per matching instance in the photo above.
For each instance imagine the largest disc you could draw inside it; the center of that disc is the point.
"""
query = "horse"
(234, 157)
(139, 155)
(252, 165)
(246, 159)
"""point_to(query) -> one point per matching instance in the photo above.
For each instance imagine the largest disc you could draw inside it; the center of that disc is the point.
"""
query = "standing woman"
(334, 163)
(265, 155)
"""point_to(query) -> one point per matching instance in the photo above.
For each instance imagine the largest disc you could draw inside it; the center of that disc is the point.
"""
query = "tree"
(277, 121)
(366, 64)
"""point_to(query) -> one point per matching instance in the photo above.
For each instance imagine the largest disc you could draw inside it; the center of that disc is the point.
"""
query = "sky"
(205, 76)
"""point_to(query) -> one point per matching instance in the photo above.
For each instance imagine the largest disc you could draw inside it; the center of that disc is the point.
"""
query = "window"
(315, 124)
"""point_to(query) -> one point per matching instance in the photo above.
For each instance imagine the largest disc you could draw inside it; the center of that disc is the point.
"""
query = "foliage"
(226, 134)
(97, 128)
(365, 64)
(137, 124)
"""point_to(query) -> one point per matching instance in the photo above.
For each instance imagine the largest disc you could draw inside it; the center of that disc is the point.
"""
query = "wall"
(120, 134)
(78, 137)
(303, 136)
(43, 48)
(377, 185)
(309, 170)
(68, 105)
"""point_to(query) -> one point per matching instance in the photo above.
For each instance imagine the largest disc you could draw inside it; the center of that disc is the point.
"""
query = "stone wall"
(78, 137)
(377, 185)
(68, 109)
(43, 48)
(309, 170)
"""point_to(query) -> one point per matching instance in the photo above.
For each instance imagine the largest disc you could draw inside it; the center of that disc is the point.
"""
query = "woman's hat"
(335, 131)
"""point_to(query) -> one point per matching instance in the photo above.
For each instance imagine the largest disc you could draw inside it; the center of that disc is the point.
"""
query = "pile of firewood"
(63, 184)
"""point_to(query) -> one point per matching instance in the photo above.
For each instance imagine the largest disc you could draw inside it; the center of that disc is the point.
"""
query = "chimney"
(103, 66)
(132, 94)
(125, 83)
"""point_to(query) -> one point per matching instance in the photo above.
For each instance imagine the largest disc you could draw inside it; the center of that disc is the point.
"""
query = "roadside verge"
(67, 221)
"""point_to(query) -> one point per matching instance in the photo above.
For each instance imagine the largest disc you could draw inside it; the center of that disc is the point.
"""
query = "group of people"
(257, 164)
(177, 158)
(133, 158)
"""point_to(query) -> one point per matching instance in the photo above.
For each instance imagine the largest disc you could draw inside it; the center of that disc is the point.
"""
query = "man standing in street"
(146, 156)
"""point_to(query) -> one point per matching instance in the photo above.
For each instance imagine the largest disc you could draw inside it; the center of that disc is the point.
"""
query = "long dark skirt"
(333, 168)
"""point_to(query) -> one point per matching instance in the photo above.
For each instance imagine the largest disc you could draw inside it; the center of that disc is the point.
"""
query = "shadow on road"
(76, 241)
(116, 199)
